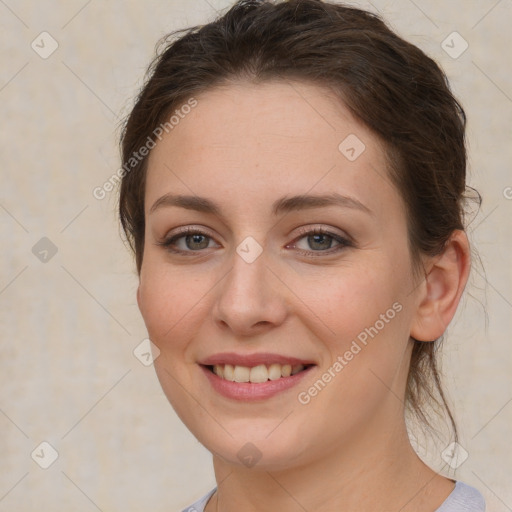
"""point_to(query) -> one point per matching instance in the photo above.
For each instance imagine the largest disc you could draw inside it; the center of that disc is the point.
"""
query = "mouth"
(254, 377)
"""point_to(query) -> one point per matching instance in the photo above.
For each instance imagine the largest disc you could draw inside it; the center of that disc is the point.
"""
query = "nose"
(251, 299)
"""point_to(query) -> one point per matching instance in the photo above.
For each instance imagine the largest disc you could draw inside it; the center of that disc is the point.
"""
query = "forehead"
(254, 141)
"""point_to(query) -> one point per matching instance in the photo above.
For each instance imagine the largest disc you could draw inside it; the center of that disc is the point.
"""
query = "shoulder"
(463, 498)
(199, 505)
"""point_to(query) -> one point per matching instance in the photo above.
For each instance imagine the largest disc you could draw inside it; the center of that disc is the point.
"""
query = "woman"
(293, 190)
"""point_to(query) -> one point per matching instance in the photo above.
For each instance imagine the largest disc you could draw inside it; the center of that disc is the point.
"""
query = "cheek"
(170, 300)
(358, 298)
(370, 335)
(370, 314)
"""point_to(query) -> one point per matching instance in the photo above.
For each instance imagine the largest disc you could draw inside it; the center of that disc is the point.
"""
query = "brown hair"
(388, 84)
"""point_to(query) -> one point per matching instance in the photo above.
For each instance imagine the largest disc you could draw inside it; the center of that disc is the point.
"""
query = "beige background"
(69, 325)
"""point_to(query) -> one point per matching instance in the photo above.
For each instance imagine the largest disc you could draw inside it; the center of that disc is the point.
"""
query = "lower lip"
(249, 391)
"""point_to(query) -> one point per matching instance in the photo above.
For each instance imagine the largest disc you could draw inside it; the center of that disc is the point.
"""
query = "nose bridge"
(249, 297)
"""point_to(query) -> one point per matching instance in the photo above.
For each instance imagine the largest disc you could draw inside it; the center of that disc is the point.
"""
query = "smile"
(253, 378)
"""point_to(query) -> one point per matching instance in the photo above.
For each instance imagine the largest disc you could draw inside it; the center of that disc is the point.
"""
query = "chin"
(251, 443)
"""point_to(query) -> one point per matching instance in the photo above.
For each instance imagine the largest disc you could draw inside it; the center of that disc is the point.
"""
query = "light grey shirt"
(463, 498)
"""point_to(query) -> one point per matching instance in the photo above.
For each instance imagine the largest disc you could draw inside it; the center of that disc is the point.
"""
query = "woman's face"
(296, 261)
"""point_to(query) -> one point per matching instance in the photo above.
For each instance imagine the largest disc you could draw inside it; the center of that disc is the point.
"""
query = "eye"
(188, 240)
(318, 240)
(191, 241)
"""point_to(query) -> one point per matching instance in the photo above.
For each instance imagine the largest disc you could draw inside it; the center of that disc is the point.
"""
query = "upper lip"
(251, 360)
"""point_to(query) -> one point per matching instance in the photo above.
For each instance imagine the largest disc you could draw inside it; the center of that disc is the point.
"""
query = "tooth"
(296, 368)
(274, 371)
(229, 372)
(256, 374)
(242, 373)
(259, 373)
(286, 370)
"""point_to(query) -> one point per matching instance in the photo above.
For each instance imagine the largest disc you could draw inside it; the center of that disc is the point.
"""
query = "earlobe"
(445, 282)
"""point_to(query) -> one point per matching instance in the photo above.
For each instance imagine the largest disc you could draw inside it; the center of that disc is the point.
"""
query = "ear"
(447, 274)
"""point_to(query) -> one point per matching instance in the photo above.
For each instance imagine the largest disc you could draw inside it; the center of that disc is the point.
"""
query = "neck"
(385, 474)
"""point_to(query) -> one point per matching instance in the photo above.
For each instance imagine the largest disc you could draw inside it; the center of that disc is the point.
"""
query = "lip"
(251, 360)
(250, 391)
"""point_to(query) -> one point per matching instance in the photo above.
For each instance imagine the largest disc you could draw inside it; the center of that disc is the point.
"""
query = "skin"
(244, 147)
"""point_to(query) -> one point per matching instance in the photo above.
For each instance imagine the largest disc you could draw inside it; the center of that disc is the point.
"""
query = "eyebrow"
(281, 206)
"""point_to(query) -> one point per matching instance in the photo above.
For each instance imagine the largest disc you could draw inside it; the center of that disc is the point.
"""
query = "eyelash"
(304, 232)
